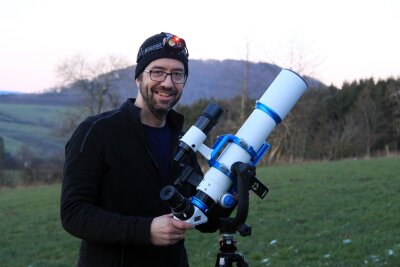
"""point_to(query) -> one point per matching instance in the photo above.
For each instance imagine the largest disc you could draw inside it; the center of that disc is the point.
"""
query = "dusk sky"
(337, 41)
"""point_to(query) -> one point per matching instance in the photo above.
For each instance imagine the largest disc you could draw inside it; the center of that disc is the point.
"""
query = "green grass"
(40, 113)
(31, 233)
(344, 213)
(31, 125)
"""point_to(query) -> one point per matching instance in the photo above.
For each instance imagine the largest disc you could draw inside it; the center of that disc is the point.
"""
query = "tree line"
(27, 167)
(361, 119)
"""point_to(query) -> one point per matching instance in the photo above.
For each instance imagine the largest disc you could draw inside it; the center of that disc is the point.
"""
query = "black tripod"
(228, 254)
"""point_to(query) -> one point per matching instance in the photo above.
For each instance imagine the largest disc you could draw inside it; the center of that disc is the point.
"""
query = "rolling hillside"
(31, 119)
(207, 79)
(30, 125)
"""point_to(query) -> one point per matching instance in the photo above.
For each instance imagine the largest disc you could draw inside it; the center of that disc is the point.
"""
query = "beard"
(158, 100)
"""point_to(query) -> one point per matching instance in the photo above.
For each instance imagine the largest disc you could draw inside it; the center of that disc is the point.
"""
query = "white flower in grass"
(266, 261)
(346, 241)
(273, 242)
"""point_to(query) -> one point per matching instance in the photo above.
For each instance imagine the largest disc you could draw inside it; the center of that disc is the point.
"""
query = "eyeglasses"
(160, 76)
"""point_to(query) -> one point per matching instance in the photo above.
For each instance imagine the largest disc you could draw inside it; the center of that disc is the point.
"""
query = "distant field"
(344, 213)
(32, 125)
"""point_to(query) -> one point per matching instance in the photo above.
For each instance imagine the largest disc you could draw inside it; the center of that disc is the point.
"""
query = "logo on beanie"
(142, 51)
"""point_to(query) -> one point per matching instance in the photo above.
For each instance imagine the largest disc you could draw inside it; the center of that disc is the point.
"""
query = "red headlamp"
(175, 44)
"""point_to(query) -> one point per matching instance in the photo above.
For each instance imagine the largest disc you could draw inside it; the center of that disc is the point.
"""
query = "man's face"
(160, 97)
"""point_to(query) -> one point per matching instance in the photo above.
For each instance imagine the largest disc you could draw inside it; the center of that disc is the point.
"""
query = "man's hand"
(165, 230)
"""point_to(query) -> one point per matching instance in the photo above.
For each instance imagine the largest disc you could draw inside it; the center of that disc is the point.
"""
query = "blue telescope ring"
(198, 203)
(270, 112)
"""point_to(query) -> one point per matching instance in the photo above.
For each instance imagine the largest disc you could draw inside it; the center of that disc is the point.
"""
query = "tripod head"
(244, 174)
(229, 226)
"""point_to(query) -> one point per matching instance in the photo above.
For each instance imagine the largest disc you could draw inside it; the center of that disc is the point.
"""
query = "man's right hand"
(166, 230)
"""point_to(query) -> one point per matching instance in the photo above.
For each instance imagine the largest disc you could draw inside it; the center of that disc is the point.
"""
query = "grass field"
(30, 125)
(344, 213)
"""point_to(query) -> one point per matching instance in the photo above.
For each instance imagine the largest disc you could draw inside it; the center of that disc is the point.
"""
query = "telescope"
(248, 145)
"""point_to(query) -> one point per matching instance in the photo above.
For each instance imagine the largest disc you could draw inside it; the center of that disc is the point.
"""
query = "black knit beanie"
(156, 47)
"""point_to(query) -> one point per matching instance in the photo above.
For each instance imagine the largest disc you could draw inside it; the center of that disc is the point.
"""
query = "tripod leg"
(227, 259)
(223, 260)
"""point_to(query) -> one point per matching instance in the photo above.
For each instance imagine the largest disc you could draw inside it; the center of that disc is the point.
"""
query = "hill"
(207, 79)
(31, 126)
(31, 119)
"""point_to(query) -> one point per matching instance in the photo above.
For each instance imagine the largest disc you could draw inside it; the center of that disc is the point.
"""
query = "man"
(117, 162)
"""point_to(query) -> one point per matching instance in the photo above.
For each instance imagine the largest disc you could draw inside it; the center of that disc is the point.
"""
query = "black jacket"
(111, 191)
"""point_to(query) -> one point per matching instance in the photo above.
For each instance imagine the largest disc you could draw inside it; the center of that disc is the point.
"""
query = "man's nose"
(168, 81)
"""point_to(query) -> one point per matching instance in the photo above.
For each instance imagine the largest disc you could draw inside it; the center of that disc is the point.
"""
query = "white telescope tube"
(278, 100)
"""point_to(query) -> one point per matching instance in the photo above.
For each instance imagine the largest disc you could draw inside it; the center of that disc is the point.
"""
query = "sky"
(331, 40)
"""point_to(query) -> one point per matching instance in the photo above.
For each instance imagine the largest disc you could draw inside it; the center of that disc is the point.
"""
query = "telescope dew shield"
(271, 108)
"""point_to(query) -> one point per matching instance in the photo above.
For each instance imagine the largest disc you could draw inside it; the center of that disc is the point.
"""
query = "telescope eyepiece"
(180, 206)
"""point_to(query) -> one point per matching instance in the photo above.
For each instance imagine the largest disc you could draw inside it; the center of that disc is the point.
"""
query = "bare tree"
(290, 138)
(245, 87)
(95, 81)
(296, 57)
(394, 101)
(371, 120)
(344, 139)
(243, 79)
(278, 140)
